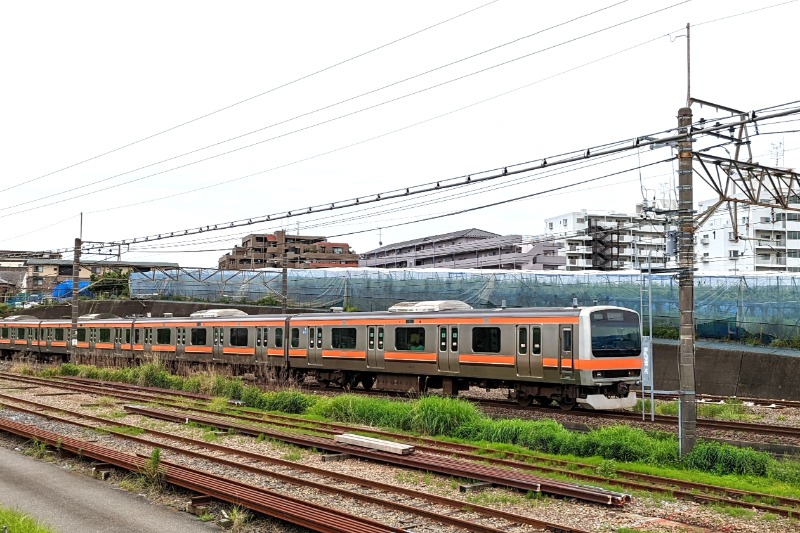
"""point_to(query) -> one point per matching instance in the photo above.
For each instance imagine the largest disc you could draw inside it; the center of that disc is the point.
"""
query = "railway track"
(629, 480)
(708, 423)
(295, 511)
(38, 409)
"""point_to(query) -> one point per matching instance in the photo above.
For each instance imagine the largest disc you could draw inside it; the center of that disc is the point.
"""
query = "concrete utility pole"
(76, 270)
(688, 407)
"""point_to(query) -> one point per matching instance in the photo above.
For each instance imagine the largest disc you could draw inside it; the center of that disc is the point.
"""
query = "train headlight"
(598, 374)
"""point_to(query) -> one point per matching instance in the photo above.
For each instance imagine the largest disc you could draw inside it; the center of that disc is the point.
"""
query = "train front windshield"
(615, 333)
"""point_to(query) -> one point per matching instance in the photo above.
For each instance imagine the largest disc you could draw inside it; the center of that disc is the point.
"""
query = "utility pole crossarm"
(756, 184)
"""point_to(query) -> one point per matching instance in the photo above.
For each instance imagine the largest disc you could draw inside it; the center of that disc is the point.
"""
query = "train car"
(587, 356)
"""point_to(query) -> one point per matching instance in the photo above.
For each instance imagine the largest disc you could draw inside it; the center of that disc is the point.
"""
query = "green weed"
(15, 521)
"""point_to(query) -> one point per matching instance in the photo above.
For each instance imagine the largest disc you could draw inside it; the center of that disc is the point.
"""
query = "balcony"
(772, 261)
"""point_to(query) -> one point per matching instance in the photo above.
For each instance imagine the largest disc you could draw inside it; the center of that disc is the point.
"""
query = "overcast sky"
(84, 78)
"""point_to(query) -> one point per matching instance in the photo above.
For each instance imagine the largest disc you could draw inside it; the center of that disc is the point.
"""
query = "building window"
(793, 235)
(38, 269)
(338, 250)
(733, 253)
(549, 225)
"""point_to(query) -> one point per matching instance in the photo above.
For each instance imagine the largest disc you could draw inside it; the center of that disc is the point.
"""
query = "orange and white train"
(587, 356)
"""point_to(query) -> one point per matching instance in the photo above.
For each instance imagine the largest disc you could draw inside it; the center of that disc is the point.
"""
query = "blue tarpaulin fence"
(725, 305)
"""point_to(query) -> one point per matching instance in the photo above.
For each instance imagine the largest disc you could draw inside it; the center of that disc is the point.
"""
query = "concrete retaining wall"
(731, 371)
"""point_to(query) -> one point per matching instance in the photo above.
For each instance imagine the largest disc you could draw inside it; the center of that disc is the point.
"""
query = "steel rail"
(467, 452)
(435, 463)
(729, 426)
(306, 514)
(441, 500)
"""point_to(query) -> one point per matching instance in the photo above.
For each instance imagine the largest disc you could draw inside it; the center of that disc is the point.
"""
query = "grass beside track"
(14, 521)
(611, 448)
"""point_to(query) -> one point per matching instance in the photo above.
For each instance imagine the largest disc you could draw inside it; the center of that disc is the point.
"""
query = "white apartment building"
(762, 240)
(592, 239)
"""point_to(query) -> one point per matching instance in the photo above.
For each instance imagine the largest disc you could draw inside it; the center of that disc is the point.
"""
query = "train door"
(566, 361)
(375, 343)
(118, 340)
(180, 343)
(219, 341)
(447, 357)
(148, 340)
(314, 350)
(92, 338)
(48, 338)
(529, 351)
(261, 343)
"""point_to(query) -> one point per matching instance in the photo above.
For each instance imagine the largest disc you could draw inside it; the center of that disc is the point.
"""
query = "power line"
(317, 124)
(502, 202)
(305, 77)
(385, 134)
(452, 182)
(743, 13)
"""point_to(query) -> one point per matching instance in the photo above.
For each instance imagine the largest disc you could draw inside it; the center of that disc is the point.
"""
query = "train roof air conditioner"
(429, 306)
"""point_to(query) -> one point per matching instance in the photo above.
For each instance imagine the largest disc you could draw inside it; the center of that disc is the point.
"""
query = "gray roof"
(472, 232)
(65, 262)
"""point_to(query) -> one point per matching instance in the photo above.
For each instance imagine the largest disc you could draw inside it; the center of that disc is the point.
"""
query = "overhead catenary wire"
(453, 181)
(397, 130)
(438, 196)
(308, 127)
(281, 86)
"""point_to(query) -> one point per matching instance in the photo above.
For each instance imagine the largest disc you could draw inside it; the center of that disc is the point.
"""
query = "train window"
(163, 336)
(127, 336)
(486, 340)
(409, 339)
(319, 338)
(198, 337)
(566, 340)
(295, 342)
(237, 337)
(380, 338)
(454, 340)
(137, 335)
(21, 334)
(279, 337)
(615, 333)
(522, 344)
(442, 339)
(82, 334)
(536, 340)
(258, 336)
(372, 338)
(344, 338)
(105, 334)
(4, 333)
(266, 336)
